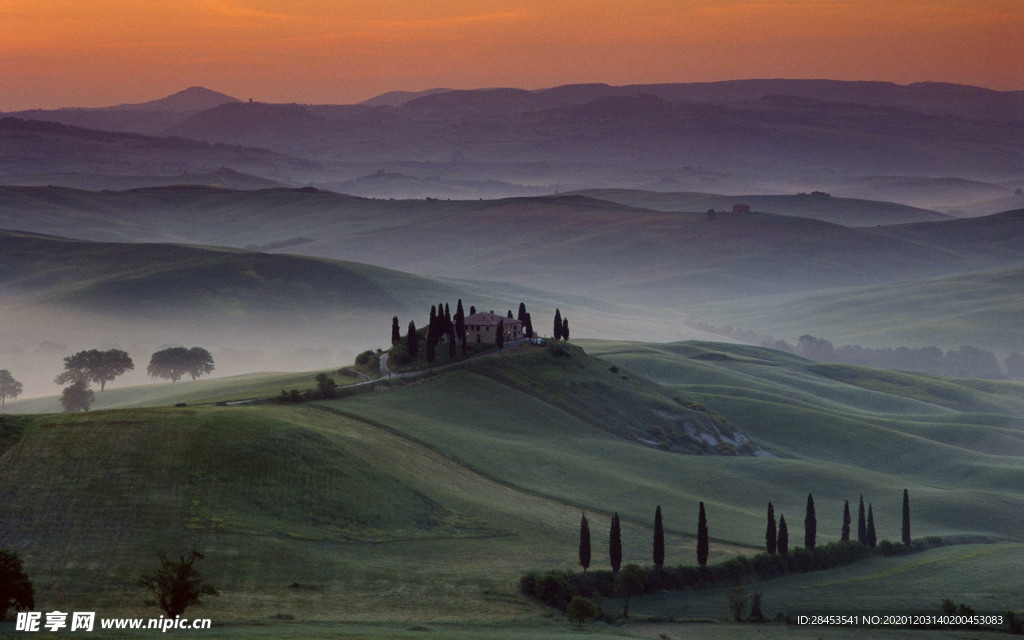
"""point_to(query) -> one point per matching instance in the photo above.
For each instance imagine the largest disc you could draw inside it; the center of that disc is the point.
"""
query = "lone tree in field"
(906, 518)
(15, 588)
(77, 397)
(558, 325)
(782, 545)
(702, 537)
(845, 534)
(870, 537)
(584, 543)
(615, 544)
(629, 582)
(176, 362)
(810, 524)
(9, 388)
(581, 610)
(770, 532)
(177, 585)
(659, 539)
(95, 366)
(862, 526)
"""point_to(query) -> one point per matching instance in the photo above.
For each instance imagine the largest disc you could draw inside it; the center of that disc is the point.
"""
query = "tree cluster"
(16, 591)
(965, 362)
(176, 362)
(559, 588)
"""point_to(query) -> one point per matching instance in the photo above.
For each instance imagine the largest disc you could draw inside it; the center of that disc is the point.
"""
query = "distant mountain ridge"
(743, 136)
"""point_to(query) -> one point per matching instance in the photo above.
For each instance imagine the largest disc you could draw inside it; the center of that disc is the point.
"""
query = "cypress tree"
(782, 546)
(702, 537)
(659, 539)
(528, 326)
(472, 310)
(615, 544)
(862, 527)
(810, 524)
(432, 325)
(906, 518)
(584, 543)
(845, 536)
(872, 540)
(558, 325)
(460, 326)
(396, 334)
(509, 315)
(447, 319)
(770, 533)
(499, 334)
(451, 343)
(522, 313)
(411, 340)
(565, 329)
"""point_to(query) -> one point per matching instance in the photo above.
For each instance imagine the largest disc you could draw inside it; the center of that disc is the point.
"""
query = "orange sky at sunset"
(56, 53)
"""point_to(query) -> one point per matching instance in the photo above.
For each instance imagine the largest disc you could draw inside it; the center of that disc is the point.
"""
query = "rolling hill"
(449, 488)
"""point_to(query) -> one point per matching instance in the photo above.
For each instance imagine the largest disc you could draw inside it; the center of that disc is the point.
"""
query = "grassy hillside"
(843, 211)
(975, 309)
(427, 501)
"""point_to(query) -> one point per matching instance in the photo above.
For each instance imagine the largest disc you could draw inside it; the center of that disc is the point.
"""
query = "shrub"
(581, 610)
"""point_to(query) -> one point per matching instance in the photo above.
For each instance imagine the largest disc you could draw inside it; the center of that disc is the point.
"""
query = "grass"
(974, 309)
(981, 576)
(423, 504)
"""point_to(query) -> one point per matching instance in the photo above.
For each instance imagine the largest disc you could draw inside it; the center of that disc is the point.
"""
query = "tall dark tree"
(95, 366)
(558, 325)
(410, 340)
(460, 326)
(528, 326)
(782, 545)
(432, 325)
(584, 543)
(451, 343)
(615, 544)
(565, 328)
(870, 537)
(499, 334)
(9, 388)
(396, 334)
(845, 535)
(770, 532)
(810, 524)
(702, 537)
(659, 539)
(509, 315)
(521, 316)
(472, 310)
(906, 518)
(460, 319)
(862, 525)
(16, 591)
(447, 319)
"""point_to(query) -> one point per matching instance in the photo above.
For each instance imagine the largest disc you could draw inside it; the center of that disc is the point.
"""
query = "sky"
(60, 53)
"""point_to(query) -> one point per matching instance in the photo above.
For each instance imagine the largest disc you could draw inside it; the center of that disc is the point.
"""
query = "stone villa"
(483, 327)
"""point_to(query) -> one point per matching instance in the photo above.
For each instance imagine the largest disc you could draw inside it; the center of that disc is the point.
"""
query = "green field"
(424, 503)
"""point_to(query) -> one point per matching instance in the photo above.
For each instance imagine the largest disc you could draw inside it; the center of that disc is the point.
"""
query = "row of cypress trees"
(776, 535)
(615, 540)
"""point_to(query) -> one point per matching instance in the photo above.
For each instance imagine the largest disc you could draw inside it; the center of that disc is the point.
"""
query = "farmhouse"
(483, 327)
